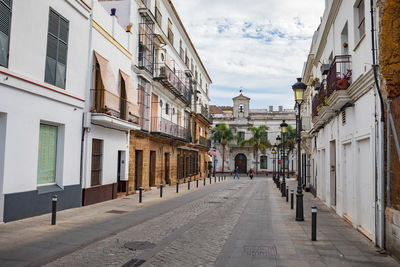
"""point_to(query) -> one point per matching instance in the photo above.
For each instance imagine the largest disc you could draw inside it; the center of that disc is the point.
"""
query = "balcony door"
(122, 99)
(154, 112)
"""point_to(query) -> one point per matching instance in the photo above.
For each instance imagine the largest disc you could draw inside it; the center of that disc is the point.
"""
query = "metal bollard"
(189, 184)
(53, 209)
(291, 199)
(219, 178)
(161, 186)
(314, 223)
(210, 180)
(197, 183)
(204, 181)
(140, 194)
(287, 193)
(177, 187)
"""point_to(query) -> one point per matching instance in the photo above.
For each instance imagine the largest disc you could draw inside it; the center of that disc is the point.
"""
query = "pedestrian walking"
(236, 174)
(251, 173)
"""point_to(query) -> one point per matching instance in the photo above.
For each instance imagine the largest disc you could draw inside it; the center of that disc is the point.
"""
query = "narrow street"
(231, 223)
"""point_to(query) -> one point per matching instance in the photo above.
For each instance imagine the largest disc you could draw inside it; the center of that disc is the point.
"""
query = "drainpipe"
(381, 193)
(388, 156)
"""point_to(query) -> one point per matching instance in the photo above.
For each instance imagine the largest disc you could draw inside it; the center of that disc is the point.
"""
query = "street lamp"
(273, 162)
(278, 182)
(284, 126)
(298, 89)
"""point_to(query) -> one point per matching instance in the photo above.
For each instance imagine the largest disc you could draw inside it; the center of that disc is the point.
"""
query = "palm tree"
(259, 141)
(222, 134)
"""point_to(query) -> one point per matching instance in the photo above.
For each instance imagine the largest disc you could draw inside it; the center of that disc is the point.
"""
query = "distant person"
(251, 173)
(236, 174)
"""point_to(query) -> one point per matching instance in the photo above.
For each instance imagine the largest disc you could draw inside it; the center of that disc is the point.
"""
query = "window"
(158, 16)
(241, 108)
(264, 162)
(360, 20)
(240, 137)
(5, 14)
(170, 34)
(47, 154)
(167, 108)
(57, 46)
(97, 161)
(181, 51)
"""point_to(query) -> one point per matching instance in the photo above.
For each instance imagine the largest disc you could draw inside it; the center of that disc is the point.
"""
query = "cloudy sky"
(260, 45)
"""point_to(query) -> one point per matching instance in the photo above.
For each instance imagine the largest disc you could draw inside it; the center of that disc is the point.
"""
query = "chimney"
(271, 108)
(280, 108)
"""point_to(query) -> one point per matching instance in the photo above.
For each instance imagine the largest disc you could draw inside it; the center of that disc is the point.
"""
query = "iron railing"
(339, 76)
(167, 127)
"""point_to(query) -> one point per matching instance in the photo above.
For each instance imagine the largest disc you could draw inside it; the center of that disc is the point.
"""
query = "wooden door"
(241, 163)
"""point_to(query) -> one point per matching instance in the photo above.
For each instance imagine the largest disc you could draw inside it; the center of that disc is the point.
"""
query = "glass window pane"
(60, 75)
(47, 154)
(53, 23)
(3, 49)
(50, 72)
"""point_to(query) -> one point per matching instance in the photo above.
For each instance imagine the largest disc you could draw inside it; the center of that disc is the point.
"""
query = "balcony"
(203, 141)
(111, 110)
(165, 127)
(339, 79)
(173, 82)
(203, 111)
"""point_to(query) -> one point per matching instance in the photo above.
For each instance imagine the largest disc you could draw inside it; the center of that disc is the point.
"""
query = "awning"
(208, 158)
(213, 153)
(108, 79)
(187, 148)
(131, 94)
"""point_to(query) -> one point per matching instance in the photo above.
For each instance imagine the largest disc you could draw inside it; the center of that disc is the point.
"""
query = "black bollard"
(291, 199)
(287, 193)
(161, 186)
(189, 184)
(219, 178)
(140, 194)
(215, 179)
(314, 223)
(177, 187)
(204, 181)
(53, 209)
(210, 180)
(197, 183)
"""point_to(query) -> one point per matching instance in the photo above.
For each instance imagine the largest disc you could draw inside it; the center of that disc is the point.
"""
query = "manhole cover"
(134, 263)
(139, 245)
(260, 251)
(116, 211)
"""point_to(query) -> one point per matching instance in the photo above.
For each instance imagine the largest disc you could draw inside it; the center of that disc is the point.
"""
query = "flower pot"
(342, 84)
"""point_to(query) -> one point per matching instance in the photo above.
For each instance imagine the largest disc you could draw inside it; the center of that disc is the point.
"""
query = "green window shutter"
(47, 154)
(57, 48)
(264, 162)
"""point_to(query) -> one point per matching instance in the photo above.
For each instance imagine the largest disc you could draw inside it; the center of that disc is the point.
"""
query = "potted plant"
(342, 83)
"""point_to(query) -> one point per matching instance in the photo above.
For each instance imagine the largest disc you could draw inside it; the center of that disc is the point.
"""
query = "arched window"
(264, 162)
(241, 108)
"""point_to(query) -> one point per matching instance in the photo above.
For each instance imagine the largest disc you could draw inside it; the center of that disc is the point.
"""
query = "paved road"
(235, 223)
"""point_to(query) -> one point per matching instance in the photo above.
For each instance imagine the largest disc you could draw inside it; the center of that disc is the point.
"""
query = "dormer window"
(241, 108)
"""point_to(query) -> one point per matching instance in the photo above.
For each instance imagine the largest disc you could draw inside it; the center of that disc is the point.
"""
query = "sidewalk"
(78, 227)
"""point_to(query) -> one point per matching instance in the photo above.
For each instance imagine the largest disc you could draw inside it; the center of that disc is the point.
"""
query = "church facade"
(241, 116)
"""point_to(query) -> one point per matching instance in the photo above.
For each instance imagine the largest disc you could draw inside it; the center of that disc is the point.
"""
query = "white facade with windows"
(341, 142)
(242, 117)
(42, 98)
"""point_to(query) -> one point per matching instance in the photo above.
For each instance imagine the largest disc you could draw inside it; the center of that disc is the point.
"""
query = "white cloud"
(260, 45)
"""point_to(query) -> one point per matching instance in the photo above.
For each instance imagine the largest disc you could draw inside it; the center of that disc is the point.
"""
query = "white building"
(42, 97)
(341, 144)
(242, 117)
(112, 110)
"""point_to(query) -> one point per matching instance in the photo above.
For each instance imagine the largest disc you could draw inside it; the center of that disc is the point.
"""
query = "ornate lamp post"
(273, 163)
(278, 181)
(284, 126)
(298, 89)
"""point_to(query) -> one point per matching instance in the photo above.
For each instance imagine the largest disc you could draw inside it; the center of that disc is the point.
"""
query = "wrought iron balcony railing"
(166, 127)
(339, 76)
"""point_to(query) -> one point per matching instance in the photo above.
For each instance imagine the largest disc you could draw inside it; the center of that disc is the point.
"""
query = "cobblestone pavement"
(236, 223)
(191, 235)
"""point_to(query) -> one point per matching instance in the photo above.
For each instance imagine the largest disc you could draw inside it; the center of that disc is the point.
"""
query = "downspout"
(87, 97)
(381, 229)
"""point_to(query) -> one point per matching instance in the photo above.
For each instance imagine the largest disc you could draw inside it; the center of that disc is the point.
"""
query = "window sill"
(359, 42)
(48, 189)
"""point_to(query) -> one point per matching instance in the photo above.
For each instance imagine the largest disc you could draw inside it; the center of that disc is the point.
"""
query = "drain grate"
(116, 211)
(134, 263)
(139, 245)
(214, 202)
(260, 251)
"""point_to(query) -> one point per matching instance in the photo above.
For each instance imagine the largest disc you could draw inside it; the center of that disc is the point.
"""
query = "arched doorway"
(241, 163)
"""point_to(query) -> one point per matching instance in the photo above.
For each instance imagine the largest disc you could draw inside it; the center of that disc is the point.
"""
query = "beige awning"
(111, 96)
(131, 94)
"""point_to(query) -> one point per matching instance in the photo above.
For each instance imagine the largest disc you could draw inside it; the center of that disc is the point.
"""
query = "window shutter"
(5, 19)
